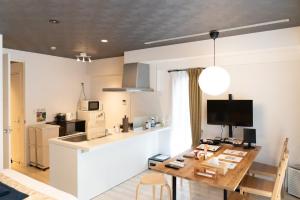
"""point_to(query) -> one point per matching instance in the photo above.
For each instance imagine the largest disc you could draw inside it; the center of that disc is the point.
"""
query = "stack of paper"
(230, 158)
(235, 152)
(210, 147)
(228, 165)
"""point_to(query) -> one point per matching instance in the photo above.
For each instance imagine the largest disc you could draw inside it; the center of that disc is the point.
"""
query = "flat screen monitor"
(233, 112)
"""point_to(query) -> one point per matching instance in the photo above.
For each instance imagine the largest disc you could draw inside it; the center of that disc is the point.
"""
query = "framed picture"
(41, 115)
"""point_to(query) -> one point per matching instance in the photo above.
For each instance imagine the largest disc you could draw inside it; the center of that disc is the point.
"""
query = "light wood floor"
(32, 172)
(126, 191)
(188, 191)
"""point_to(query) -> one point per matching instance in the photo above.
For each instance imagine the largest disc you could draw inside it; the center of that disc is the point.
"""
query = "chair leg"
(243, 194)
(246, 196)
(282, 193)
(169, 191)
(153, 191)
(279, 197)
(137, 192)
(161, 192)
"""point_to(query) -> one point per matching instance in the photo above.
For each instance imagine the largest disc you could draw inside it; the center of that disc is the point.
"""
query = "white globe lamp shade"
(214, 80)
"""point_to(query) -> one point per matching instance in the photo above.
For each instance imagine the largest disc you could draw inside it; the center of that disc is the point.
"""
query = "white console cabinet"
(38, 143)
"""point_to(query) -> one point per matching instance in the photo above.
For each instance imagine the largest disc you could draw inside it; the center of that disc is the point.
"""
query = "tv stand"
(230, 131)
(249, 146)
(230, 127)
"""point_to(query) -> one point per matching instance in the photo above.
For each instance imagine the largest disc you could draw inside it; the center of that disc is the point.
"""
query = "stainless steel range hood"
(135, 79)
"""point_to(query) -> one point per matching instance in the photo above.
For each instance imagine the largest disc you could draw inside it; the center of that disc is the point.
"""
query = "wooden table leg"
(225, 195)
(174, 187)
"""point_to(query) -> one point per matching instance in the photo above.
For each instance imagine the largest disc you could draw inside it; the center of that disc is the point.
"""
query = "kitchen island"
(89, 168)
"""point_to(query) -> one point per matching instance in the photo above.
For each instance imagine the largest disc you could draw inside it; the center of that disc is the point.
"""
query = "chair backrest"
(280, 176)
(283, 150)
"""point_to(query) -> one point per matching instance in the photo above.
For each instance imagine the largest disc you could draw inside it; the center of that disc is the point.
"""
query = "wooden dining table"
(228, 182)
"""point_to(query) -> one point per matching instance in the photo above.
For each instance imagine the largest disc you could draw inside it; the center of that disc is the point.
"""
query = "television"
(230, 112)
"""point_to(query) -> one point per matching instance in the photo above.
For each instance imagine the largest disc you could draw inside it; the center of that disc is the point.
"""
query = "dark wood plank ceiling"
(127, 24)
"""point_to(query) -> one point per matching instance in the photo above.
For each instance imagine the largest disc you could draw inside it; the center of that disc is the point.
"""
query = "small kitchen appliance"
(60, 117)
(90, 105)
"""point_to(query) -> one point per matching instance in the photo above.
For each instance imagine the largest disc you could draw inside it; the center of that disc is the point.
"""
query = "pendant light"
(214, 80)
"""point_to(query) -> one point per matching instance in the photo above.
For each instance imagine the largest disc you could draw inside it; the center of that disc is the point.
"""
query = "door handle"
(7, 131)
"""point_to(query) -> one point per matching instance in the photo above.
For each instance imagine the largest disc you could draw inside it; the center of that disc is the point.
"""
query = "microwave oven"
(89, 105)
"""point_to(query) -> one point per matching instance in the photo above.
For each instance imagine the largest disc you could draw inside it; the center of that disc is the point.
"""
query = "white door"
(17, 113)
(6, 111)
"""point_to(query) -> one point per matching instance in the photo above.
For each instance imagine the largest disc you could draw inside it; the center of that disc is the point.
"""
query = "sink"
(75, 138)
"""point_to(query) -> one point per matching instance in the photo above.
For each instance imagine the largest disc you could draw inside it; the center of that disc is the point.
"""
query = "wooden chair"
(262, 187)
(262, 169)
(154, 179)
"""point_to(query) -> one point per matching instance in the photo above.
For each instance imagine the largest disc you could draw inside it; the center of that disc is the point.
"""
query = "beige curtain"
(195, 95)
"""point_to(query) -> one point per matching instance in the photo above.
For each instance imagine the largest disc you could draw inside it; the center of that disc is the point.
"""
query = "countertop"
(100, 142)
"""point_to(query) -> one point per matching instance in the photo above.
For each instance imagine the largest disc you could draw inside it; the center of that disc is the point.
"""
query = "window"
(181, 129)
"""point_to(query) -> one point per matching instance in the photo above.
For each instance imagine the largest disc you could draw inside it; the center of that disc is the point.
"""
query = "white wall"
(51, 82)
(1, 105)
(108, 73)
(263, 66)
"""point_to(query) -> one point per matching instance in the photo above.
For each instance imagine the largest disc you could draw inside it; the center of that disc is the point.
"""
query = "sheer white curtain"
(181, 139)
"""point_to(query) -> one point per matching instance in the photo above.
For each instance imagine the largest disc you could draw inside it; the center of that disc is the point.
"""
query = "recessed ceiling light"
(104, 41)
(53, 48)
(53, 21)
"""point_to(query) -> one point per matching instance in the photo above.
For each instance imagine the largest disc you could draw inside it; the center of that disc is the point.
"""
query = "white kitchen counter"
(101, 142)
(89, 168)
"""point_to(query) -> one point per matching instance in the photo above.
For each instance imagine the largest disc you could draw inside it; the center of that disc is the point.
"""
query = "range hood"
(135, 79)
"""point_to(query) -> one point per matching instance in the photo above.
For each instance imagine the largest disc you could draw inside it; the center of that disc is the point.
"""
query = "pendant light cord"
(214, 35)
(82, 92)
(214, 52)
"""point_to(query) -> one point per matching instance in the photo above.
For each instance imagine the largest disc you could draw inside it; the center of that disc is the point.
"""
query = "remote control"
(172, 166)
(180, 159)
